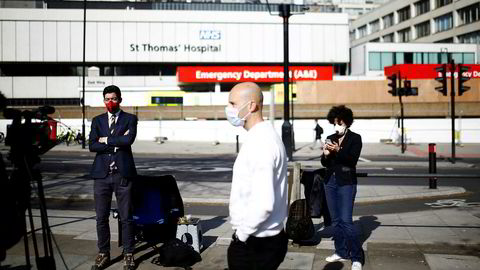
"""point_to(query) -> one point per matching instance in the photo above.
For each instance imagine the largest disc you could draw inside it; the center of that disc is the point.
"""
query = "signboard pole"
(83, 73)
(401, 112)
(287, 137)
(452, 102)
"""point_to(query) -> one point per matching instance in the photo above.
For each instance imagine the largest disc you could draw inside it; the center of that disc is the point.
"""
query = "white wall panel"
(8, 41)
(294, 39)
(143, 37)
(232, 43)
(76, 41)
(268, 38)
(29, 87)
(359, 60)
(165, 36)
(307, 43)
(91, 42)
(192, 36)
(130, 38)
(155, 39)
(126, 81)
(6, 86)
(61, 87)
(245, 43)
(117, 45)
(330, 50)
(22, 41)
(278, 44)
(222, 55)
(1, 43)
(169, 34)
(50, 41)
(256, 51)
(341, 44)
(104, 39)
(63, 41)
(36, 41)
(181, 38)
(318, 42)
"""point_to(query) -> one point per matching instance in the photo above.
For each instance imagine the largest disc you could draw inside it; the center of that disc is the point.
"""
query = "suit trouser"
(258, 253)
(103, 189)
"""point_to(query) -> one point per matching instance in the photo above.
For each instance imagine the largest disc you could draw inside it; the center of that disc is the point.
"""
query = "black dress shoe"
(128, 261)
(101, 261)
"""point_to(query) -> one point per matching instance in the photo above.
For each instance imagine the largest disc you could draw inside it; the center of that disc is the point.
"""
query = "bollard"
(238, 148)
(432, 165)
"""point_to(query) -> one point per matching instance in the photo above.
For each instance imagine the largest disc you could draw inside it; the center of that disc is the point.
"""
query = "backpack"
(299, 223)
(177, 253)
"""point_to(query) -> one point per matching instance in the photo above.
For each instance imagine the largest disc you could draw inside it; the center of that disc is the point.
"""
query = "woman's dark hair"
(341, 113)
(112, 89)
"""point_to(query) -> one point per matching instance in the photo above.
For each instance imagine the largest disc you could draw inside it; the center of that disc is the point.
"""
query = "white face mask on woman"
(340, 129)
(232, 115)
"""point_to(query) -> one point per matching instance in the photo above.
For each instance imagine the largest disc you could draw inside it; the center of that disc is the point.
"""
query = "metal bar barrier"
(418, 175)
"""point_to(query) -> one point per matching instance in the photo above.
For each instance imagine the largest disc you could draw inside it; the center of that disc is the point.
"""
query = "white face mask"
(340, 129)
(232, 115)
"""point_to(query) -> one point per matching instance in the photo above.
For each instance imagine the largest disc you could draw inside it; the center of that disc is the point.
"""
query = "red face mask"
(112, 107)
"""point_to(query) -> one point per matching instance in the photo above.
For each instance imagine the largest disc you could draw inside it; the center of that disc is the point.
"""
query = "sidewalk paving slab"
(449, 262)
(412, 234)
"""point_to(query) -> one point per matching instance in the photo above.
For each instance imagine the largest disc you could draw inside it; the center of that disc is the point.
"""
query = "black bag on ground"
(315, 194)
(299, 223)
(177, 253)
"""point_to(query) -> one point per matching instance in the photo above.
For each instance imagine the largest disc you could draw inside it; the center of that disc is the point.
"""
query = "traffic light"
(442, 79)
(393, 84)
(462, 79)
(408, 90)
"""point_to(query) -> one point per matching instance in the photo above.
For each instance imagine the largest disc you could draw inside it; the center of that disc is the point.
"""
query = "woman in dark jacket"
(340, 156)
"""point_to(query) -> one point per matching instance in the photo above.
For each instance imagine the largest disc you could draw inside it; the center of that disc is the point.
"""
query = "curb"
(421, 195)
(225, 201)
(395, 164)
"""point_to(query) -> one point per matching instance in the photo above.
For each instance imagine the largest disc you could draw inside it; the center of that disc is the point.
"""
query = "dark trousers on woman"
(258, 253)
(340, 200)
(103, 189)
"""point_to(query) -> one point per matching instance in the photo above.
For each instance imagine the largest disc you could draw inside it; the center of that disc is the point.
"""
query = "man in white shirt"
(258, 198)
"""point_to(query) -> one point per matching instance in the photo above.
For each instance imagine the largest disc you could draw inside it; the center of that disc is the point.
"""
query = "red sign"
(427, 71)
(252, 73)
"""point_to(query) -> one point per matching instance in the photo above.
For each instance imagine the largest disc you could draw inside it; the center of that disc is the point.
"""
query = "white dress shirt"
(258, 198)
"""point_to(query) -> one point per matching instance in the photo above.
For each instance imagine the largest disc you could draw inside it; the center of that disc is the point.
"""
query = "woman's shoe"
(335, 258)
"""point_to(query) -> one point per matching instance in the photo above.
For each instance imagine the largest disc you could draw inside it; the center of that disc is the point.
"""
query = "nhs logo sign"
(210, 35)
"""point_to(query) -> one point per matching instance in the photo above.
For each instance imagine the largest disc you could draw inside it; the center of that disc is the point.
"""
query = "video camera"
(27, 140)
(27, 137)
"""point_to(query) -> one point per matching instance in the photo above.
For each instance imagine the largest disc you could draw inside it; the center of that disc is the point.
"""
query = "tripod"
(23, 171)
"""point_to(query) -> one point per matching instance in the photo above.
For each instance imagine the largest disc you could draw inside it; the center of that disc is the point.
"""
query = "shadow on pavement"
(368, 225)
(211, 224)
(20, 267)
(333, 266)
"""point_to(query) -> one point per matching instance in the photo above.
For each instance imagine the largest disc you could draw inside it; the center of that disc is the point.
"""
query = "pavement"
(447, 236)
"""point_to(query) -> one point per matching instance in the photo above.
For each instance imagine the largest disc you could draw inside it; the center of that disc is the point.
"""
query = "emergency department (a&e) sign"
(428, 71)
(208, 74)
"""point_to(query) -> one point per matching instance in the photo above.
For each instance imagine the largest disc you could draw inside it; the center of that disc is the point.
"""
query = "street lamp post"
(83, 73)
(287, 138)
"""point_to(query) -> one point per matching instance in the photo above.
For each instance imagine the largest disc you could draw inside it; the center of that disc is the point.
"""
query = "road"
(75, 166)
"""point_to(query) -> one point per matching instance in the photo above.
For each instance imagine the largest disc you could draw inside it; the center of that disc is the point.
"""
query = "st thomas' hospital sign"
(187, 48)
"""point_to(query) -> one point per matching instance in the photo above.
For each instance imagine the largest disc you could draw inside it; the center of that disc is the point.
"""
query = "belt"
(113, 170)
